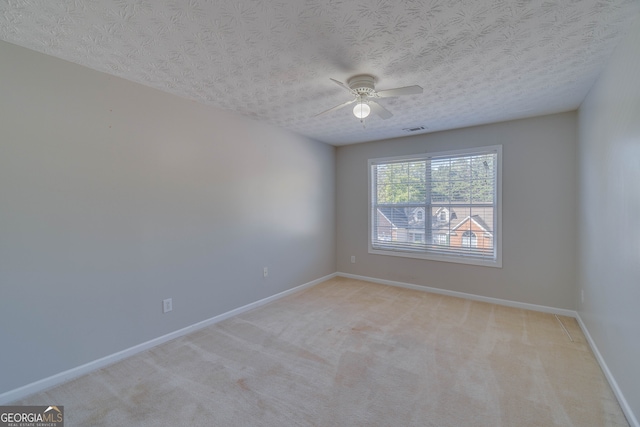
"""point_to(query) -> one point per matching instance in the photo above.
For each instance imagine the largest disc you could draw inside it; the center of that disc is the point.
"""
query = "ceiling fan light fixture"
(362, 88)
(361, 110)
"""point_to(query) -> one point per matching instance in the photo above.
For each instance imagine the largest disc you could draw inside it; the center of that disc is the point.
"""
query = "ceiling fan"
(362, 88)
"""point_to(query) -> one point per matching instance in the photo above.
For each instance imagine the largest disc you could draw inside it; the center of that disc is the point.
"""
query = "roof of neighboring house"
(477, 219)
(405, 218)
(395, 216)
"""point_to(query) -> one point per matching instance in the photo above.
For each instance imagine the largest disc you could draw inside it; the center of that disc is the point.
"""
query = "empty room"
(319, 213)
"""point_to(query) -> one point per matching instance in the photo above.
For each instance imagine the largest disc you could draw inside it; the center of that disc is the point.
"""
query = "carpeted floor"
(352, 353)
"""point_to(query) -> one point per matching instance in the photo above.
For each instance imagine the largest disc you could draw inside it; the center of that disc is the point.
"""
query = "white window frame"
(433, 255)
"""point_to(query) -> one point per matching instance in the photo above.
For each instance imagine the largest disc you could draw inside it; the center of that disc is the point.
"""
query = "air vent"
(415, 129)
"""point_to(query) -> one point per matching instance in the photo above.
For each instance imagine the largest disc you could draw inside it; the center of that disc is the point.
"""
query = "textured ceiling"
(479, 61)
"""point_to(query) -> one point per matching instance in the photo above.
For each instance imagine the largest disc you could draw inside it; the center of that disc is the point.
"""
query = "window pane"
(482, 178)
(483, 217)
(439, 174)
(460, 191)
(484, 229)
(441, 219)
(450, 180)
(416, 182)
(482, 191)
(460, 168)
(483, 166)
(401, 183)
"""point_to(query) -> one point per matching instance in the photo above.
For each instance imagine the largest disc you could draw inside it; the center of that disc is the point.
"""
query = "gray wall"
(609, 130)
(539, 212)
(114, 196)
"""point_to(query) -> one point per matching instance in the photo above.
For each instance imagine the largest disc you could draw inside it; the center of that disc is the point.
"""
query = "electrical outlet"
(353, 259)
(265, 272)
(167, 305)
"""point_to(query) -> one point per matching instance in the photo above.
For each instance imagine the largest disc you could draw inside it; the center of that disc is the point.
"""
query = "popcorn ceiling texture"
(478, 61)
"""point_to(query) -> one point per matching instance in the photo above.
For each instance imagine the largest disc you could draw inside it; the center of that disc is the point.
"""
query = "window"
(469, 239)
(416, 237)
(439, 239)
(440, 206)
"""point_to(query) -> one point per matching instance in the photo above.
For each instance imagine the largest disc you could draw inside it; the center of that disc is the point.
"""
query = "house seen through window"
(440, 206)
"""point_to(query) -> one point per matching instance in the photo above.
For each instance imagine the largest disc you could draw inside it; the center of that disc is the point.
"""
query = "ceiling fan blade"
(341, 84)
(337, 107)
(380, 110)
(399, 91)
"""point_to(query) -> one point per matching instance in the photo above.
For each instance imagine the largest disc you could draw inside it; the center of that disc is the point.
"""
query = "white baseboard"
(628, 412)
(508, 303)
(62, 377)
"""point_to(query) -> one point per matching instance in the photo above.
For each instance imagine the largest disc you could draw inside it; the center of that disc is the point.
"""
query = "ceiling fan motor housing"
(363, 84)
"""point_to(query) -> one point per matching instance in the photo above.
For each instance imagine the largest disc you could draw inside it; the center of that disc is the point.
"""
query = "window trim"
(497, 262)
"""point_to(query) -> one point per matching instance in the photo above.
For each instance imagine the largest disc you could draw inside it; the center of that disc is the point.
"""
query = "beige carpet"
(352, 353)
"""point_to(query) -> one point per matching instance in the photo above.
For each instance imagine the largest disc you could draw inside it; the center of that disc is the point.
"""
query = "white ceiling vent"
(415, 129)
